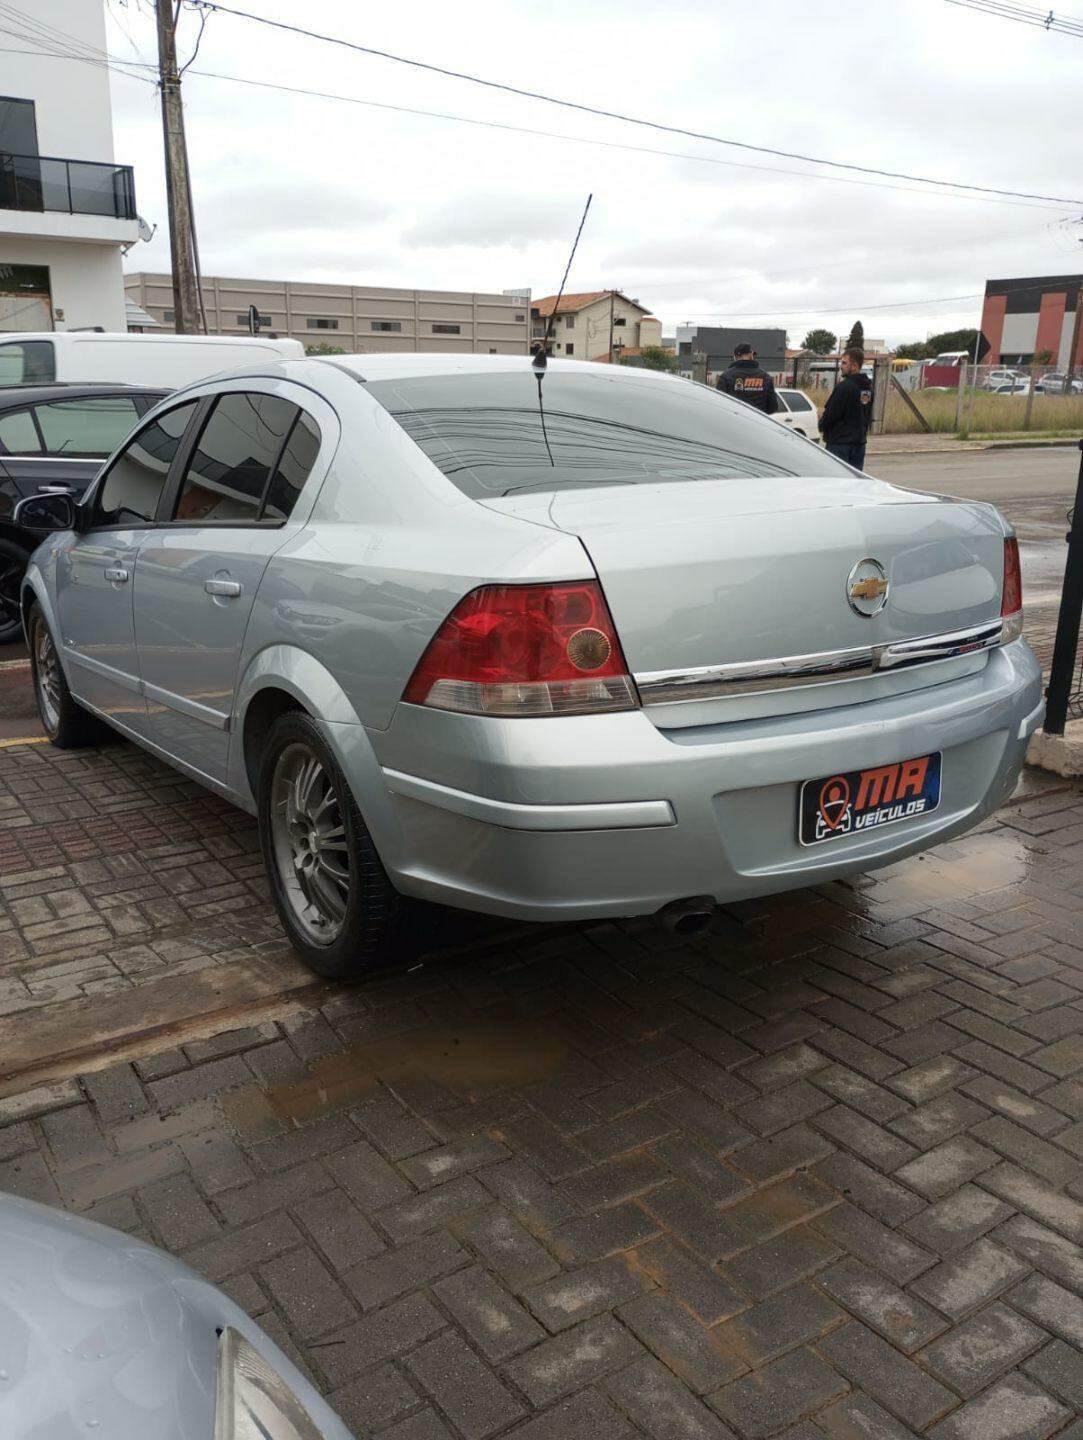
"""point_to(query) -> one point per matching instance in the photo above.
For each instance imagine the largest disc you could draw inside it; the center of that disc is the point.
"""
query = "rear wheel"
(12, 569)
(333, 896)
(65, 721)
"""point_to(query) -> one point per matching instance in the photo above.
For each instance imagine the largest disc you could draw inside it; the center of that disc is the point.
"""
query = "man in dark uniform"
(747, 380)
(848, 412)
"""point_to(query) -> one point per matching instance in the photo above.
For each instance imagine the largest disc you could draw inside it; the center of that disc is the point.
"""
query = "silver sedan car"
(551, 642)
(103, 1336)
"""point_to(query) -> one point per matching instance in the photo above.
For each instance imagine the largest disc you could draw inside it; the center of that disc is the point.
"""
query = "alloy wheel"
(309, 840)
(47, 676)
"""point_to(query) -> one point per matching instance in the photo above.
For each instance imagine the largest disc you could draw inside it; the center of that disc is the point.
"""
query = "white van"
(83, 356)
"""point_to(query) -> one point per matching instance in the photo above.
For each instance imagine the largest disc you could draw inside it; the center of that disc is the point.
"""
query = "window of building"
(263, 320)
(387, 324)
(169, 317)
(232, 463)
(619, 320)
(519, 319)
(18, 126)
(493, 350)
(569, 349)
(293, 469)
(19, 434)
(134, 483)
(446, 329)
(320, 322)
(569, 322)
(86, 428)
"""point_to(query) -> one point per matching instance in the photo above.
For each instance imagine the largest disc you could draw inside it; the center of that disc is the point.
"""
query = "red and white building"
(1023, 319)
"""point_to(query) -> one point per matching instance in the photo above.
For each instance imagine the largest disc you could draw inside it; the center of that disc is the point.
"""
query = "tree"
(652, 357)
(322, 348)
(912, 350)
(820, 342)
(956, 340)
(857, 337)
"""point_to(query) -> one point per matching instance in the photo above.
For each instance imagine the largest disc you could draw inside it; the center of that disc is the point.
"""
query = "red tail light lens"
(1011, 605)
(526, 650)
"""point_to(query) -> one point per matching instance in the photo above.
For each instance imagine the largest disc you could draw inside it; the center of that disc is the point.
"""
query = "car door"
(231, 507)
(95, 573)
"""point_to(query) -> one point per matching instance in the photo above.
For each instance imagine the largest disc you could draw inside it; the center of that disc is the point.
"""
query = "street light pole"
(186, 299)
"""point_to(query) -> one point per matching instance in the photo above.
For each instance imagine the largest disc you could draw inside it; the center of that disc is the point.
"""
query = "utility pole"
(612, 297)
(186, 298)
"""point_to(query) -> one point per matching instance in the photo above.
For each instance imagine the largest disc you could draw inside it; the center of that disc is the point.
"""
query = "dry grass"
(985, 414)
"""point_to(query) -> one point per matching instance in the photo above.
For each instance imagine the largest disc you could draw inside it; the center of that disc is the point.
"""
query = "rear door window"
(133, 484)
(234, 459)
(86, 428)
(797, 401)
(294, 467)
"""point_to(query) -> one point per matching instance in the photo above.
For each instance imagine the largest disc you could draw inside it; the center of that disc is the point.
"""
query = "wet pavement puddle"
(470, 1059)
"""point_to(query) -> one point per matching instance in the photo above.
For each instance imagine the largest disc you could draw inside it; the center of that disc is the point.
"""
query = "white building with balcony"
(66, 208)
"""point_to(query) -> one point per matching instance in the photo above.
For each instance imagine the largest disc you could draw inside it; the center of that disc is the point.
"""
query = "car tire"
(341, 912)
(63, 719)
(13, 560)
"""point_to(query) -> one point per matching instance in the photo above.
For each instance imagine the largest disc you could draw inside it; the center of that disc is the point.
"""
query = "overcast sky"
(303, 188)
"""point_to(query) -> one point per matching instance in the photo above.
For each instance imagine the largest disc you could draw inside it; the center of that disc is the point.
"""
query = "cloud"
(489, 220)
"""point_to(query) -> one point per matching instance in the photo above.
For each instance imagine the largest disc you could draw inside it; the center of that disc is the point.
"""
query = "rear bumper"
(605, 815)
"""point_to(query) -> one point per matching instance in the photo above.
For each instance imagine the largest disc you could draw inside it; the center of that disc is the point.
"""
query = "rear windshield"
(498, 432)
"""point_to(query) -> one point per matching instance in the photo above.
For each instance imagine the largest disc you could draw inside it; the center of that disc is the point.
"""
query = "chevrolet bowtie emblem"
(867, 586)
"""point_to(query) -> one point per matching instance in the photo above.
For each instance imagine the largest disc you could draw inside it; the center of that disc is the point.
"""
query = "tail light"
(1011, 605)
(526, 650)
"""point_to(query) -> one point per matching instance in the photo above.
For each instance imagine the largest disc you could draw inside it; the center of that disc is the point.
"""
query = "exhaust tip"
(687, 917)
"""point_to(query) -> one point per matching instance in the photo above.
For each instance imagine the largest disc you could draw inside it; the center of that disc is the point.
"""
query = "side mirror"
(45, 513)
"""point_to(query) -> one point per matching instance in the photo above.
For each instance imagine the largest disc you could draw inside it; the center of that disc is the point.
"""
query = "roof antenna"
(541, 350)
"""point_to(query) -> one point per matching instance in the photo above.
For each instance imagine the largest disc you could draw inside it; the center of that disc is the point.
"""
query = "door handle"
(222, 587)
(116, 573)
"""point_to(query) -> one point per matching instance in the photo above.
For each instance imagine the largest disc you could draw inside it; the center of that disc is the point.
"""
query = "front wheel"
(333, 896)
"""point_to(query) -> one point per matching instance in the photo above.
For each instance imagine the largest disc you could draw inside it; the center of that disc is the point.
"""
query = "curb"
(1061, 754)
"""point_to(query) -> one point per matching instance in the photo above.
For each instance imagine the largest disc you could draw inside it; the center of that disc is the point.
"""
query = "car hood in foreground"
(101, 1335)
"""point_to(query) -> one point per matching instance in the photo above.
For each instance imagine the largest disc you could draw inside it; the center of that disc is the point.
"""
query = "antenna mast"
(567, 270)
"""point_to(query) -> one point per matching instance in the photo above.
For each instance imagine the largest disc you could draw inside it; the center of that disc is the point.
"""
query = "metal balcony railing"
(72, 187)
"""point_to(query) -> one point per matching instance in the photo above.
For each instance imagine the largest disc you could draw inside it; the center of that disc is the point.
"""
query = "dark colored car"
(54, 437)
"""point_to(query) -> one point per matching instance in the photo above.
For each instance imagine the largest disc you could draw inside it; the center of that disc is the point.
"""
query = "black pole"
(1062, 671)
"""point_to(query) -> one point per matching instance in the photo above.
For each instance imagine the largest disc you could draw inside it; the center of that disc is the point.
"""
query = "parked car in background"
(1010, 387)
(101, 1335)
(1057, 383)
(86, 356)
(551, 642)
(53, 437)
(798, 412)
(996, 378)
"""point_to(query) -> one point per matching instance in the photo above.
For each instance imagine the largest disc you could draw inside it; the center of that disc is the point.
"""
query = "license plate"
(854, 802)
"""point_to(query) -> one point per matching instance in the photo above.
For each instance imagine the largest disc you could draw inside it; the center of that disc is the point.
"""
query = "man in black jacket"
(848, 412)
(747, 380)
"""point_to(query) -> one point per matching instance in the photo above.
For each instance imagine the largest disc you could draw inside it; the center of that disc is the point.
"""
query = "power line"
(851, 306)
(607, 144)
(1045, 20)
(618, 115)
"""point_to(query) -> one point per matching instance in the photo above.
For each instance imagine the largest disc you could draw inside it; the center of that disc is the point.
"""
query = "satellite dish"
(146, 232)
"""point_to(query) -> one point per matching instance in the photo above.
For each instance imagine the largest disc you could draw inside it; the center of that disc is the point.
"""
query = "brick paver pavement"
(818, 1173)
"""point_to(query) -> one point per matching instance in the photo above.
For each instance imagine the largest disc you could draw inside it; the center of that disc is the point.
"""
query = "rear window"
(495, 433)
(797, 401)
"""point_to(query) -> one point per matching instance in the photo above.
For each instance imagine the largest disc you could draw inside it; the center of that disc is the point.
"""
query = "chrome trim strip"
(156, 695)
(666, 687)
(611, 815)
